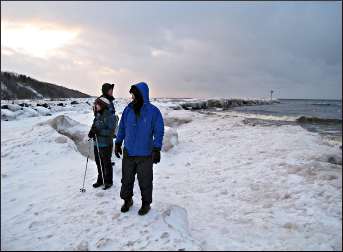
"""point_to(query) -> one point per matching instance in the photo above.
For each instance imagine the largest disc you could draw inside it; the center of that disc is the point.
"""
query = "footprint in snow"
(100, 212)
(30, 206)
(49, 236)
(144, 231)
(102, 242)
(115, 216)
(130, 243)
(99, 194)
(225, 192)
(83, 246)
(165, 235)
(34, 224)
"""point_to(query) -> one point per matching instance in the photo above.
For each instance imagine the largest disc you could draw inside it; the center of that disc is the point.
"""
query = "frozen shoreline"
(225, 103)
(224, 186)
(17, 109)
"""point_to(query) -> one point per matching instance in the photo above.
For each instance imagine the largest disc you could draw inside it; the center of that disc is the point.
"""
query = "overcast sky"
(181, 49)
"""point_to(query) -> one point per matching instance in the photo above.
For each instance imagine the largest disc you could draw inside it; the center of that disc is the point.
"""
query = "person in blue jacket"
(141, 128)
(102, 131)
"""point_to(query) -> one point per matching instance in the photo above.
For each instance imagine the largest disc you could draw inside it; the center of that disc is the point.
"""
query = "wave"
(326, 104)
(288, 118)
(265, 116)
(305, 119)
(322, 104)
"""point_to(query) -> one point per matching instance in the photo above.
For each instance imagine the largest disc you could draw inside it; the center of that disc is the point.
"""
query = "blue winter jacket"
(105, 124)
(144, 132)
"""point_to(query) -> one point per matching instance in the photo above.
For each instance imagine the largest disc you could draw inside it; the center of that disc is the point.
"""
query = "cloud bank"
(190, 49)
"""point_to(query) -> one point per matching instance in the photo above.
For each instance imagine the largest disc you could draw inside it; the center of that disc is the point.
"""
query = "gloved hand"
(91, 133)
(117, 150)
(95, 131)
(156, 155)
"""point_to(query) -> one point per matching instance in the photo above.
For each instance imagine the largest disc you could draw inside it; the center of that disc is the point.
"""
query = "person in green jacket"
(103, 131)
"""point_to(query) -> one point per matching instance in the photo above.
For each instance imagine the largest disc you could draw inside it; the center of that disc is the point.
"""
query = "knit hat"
(106, 87)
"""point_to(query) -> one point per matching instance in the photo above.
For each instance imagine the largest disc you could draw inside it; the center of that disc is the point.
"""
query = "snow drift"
(175, 121)
(170, 138)
(165, 230)
(74, 130)
(78, 132)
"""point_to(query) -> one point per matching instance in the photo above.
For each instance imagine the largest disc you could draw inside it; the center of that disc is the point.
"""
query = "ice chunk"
(7, 115)
(170, 138)
(177, 218)
(13, 107)
(29, 112)
(43, 111)
(176, 121)
(74, 130)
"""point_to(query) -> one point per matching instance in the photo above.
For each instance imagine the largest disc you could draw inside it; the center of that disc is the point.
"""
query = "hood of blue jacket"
(144, 89)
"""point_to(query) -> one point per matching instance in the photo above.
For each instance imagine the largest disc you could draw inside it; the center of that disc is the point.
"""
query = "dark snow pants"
(143, 167)
(105, 156)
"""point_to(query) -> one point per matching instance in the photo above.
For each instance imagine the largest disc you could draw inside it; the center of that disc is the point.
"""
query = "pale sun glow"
(35, 39)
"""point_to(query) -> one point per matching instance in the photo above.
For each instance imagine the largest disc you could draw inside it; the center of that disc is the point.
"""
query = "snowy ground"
(224, 186)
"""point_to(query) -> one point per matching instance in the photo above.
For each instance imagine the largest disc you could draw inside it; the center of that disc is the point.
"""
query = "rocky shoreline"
(16, 109)
(225, 103)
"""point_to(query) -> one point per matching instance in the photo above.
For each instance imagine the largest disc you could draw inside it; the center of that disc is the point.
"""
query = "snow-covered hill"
(18, 86)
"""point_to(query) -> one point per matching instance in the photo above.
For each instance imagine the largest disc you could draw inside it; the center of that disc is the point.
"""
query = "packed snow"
(221, 184)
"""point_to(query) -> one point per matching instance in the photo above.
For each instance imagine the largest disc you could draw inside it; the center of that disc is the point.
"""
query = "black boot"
(97, 184)
(126, 206)
(107, 186)
(144, 209)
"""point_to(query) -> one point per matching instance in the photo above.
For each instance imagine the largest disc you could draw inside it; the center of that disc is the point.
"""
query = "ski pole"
(102, 171)
(84, 177)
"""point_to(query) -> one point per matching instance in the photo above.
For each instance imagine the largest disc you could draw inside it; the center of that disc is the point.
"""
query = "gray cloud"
(192, 49)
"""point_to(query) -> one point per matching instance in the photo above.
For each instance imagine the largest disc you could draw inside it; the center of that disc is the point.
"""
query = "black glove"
(156, 155)
(91, 133)
(117, 150)
(96, 131)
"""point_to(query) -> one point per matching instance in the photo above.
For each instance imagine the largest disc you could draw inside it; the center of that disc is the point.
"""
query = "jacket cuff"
(156, 149)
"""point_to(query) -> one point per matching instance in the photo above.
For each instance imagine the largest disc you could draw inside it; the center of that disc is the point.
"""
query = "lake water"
(322, 116)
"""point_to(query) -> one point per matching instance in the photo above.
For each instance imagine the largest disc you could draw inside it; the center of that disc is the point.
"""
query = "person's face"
(97, 107)
(132, 96)
(110, 92)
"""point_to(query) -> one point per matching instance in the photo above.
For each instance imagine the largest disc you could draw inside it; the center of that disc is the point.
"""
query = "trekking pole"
(102, 171)
(84, 177)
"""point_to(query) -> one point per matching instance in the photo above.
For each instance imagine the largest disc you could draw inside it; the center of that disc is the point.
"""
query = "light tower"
(271, 94)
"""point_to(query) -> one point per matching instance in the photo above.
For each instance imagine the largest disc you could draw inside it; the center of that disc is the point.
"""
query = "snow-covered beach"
(222, 184)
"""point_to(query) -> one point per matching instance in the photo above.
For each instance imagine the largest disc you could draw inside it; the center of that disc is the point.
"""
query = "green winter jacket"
(105, 126)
